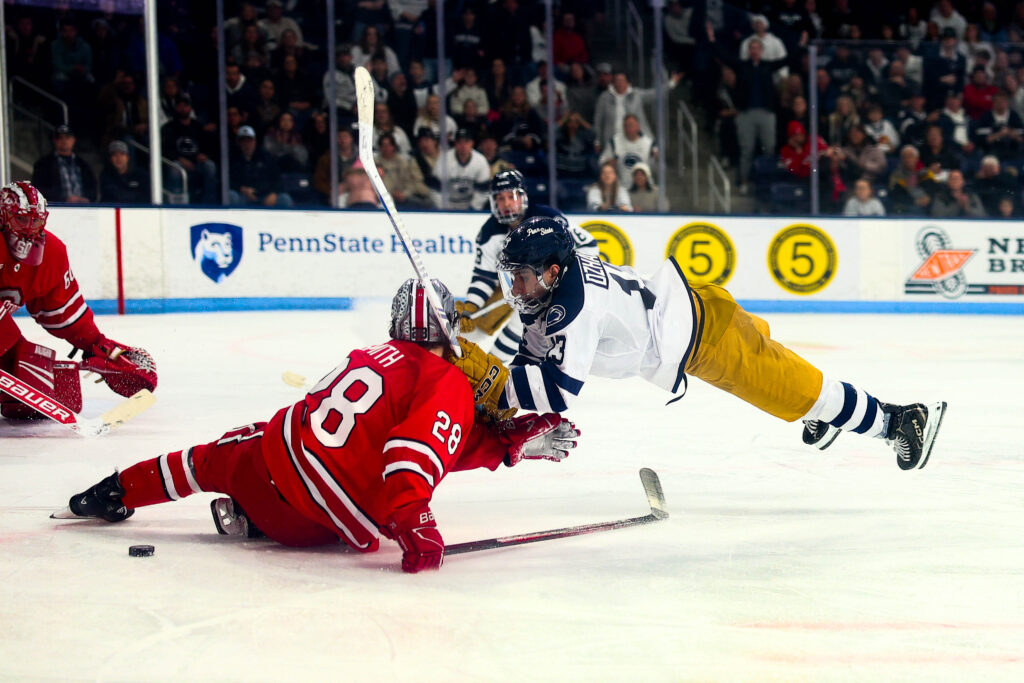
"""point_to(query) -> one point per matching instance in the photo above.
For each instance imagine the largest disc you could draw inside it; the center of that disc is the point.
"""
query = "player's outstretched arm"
(539, 437)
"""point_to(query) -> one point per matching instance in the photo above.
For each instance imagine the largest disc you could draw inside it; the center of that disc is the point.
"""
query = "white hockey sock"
(844, 406)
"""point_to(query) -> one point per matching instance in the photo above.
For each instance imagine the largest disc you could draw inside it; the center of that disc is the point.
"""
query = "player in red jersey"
(357, 458)
(34, 272)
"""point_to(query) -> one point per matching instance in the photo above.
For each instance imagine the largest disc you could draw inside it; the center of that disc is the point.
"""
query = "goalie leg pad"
(491, 322)
(34, 365)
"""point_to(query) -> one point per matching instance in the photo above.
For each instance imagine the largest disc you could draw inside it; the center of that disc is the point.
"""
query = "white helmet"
(412, 318)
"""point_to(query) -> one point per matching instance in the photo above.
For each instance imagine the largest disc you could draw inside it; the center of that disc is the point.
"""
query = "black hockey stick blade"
(655, 497)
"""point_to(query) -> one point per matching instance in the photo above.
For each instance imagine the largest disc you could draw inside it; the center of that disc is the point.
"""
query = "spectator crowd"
(920, 104)
(277, 85)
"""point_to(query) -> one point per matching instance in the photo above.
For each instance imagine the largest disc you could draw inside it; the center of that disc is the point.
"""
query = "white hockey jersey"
(467, 183)
(607, 321)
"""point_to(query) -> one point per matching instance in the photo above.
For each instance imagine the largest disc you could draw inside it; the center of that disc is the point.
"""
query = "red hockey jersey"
(377, 433)
(51, 294)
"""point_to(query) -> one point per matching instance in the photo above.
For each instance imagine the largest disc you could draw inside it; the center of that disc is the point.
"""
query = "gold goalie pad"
(488, 375)
(488, 323)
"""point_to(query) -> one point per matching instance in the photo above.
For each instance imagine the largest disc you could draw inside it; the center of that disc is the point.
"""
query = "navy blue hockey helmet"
(530, 249)
(510, 209)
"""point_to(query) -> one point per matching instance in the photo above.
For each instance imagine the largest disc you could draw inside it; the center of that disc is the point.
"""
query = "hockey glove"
(539, 437)
(466, 309)
(414, 528)
(126, 370)
(488, 375)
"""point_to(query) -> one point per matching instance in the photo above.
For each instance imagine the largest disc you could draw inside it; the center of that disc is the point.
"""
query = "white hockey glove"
(539, 437)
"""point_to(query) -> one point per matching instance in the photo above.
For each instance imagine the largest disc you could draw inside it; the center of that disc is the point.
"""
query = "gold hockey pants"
(734, 352)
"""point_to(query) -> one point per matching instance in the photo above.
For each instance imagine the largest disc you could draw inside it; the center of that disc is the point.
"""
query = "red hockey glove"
(414, 528)
(539, 437)
(127, 370)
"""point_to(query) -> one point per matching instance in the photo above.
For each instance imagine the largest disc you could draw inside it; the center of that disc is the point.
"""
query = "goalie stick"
(655, 498)
(56, 411)
(364, 103)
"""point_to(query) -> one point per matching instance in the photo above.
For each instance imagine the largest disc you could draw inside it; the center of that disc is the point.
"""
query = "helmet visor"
(523, 287)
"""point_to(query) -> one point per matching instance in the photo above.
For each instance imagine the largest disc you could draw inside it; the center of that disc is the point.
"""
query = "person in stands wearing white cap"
(774, 48)
(643, 193)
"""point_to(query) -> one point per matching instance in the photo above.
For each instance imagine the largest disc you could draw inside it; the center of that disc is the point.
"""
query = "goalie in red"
(34, 272)
(357, 458)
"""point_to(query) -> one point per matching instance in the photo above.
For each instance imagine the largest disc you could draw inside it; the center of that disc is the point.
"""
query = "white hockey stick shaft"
(58, 412)
(364, 102)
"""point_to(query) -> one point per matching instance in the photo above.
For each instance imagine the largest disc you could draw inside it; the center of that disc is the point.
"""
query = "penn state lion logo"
(217, 248)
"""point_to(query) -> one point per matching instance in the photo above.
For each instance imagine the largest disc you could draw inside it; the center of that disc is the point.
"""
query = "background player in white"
(358, 457)
(510, 206)
(586, 317)
(35, 273)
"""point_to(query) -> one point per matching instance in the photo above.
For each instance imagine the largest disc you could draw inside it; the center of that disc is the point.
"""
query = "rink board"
(216, 259)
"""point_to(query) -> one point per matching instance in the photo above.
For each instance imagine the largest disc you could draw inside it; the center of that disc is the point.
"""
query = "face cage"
(28, 226)
(525, 302)
(510, 218)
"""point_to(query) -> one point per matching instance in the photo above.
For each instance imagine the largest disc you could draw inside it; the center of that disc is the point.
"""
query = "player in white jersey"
(510, 205)
(585, 317)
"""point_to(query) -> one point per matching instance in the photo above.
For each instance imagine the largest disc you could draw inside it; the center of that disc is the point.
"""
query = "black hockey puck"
(141, 550)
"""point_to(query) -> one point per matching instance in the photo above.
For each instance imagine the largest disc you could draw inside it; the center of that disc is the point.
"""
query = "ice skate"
(819, 434)
(102, 501)
(231, 519)
(911, 432)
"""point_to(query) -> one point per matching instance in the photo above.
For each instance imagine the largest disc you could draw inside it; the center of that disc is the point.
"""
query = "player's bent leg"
(234, 465)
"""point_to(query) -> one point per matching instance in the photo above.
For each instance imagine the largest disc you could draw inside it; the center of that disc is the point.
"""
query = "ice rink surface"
(779, 562)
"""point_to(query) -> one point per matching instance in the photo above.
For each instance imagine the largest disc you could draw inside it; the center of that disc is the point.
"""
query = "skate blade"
(64, 513)
(935, 414)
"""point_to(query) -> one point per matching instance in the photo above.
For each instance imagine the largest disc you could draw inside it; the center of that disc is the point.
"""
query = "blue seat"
(766, 168)
(572, 194)
(528, 163)
(789, 197)
(300, 187)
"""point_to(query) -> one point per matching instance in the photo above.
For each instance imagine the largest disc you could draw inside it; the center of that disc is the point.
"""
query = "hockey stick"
(55, 410)
(364, 102)
(655, 498)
